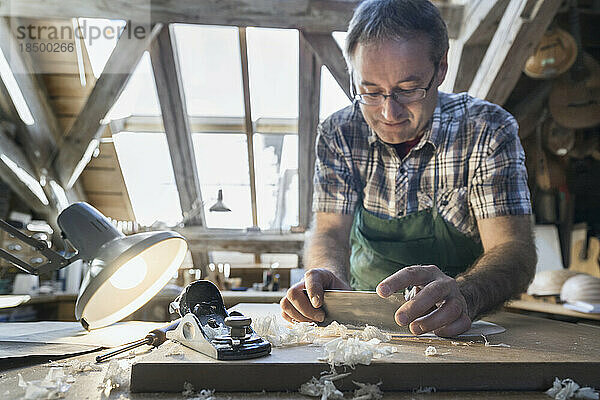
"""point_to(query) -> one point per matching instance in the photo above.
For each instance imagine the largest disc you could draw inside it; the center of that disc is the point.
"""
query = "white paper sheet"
(73, 333)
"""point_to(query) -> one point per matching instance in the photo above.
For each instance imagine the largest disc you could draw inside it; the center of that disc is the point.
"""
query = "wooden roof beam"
(475, 35)
(38, 139)
(330, 55)
(171, 96)
(16, 170)
(82, 139)
(311, 15)
(308, 119)
(520, 30)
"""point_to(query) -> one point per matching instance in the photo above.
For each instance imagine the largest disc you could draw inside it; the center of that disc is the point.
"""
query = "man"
(415, 187)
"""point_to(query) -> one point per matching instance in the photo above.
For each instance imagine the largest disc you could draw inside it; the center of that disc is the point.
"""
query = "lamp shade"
(125, 271)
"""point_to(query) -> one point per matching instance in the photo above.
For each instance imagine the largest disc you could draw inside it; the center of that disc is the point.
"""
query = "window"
(100, 48)
(148, 174)
(211, 70)
(139, 96)
(273, 71)
(276, 160)
(211, 73)
(222, 161)
(333, 97)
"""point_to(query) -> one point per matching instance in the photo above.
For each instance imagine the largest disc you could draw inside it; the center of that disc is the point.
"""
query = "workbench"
(538, 348)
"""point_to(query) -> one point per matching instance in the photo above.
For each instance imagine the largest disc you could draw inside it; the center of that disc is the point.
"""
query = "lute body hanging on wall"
(575, 98)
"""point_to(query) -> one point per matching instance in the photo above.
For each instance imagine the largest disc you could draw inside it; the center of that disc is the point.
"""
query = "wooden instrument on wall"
(553, 56)
(575, 98)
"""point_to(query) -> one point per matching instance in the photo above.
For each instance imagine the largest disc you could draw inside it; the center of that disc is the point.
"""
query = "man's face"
(392, 65)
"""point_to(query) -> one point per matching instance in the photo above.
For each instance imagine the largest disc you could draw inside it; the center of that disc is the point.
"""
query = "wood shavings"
(367, 391)
(279, 333)
(569, 389)
(189, 391)
(80, 367)
(431, 351)
(354, 351)
(488, 344)
(116, 377)
(335, 329)
(325, 389)
(469, 343)
(371, 332)
(53, 386)
(324, 386)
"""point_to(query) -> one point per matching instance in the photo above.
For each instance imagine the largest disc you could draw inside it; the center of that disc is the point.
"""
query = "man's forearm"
(499, 274)
(325, 250)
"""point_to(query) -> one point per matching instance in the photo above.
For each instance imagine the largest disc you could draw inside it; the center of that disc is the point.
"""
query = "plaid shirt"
(480, 166)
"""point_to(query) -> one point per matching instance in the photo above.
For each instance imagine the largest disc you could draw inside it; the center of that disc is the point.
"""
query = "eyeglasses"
(398, 95)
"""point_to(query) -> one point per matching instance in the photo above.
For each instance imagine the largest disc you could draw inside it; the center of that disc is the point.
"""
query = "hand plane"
(206, 326)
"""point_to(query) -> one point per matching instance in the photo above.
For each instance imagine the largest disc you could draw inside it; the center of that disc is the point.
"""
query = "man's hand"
(296, 306)
(439, 306)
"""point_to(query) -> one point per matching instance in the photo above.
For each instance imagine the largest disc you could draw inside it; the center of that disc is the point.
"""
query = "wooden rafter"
(311, 15)
(78, 144)
(309, 96)
(521, 28)
(40, 137)
(12, 156)
(248, 122)
(330, 55)
(467, 50)
(264, 242)
(169, 85)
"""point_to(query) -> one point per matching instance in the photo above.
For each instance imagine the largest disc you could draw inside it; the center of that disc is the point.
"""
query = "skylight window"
(211, 70)
(139, 96)
(100, 46)
(273, 71)
(333, 97)
(276, 160)
(148, 174)
(222, 161)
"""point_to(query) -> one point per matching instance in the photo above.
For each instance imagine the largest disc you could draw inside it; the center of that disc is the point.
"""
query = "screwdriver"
(154, 338)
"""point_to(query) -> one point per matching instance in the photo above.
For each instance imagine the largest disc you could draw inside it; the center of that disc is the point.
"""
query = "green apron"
(380, 247)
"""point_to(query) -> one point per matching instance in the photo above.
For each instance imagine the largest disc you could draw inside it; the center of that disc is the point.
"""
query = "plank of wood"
(520, 30)
(540, 350)
(549, 308)
(74, 151)
(171, 96)
(308, 120)
(312, 15)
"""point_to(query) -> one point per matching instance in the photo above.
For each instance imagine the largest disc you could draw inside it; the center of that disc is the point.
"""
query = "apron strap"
(435, 182)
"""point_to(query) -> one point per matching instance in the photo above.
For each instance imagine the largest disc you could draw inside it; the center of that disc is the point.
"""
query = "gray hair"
(375, 21)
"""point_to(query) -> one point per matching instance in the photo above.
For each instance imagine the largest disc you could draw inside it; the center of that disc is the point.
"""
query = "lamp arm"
(55, 260)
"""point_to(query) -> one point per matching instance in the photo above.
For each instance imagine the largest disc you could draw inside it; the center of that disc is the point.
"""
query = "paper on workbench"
(478, 328)
(73, 333)
(12, 350)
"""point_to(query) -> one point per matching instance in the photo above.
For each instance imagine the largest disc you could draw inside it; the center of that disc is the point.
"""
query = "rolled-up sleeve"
(499, 185)
(334, 183)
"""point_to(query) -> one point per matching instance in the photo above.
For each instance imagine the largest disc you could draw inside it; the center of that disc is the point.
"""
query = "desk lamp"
(125, 271)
